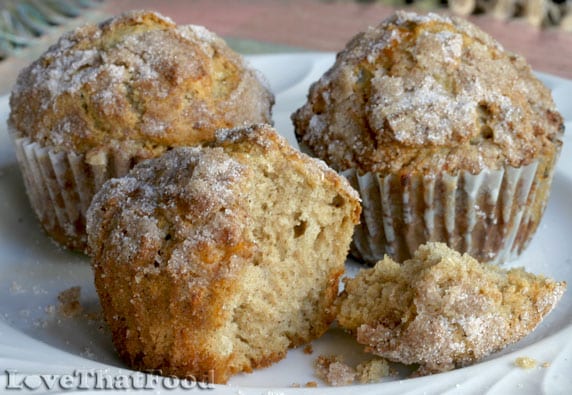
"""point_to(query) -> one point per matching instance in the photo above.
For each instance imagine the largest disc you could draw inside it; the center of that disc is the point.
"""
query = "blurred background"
(540, 30)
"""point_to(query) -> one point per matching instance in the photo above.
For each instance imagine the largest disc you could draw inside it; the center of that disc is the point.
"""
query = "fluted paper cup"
(491, 215)
(61, 184)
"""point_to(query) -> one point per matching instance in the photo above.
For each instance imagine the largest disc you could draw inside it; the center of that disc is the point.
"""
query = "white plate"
(33, 271)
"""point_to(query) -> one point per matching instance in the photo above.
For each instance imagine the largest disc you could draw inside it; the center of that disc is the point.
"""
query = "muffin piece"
(447, 137)
(333, 371)
(219, 258)
(442, 309)
(108, 96)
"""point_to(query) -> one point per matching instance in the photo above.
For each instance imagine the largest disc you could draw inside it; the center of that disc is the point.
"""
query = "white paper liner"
(61, 184)
(491, 215)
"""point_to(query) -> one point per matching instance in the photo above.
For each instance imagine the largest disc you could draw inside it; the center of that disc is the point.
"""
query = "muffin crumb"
(373, 370)
(16, 288)
(50, 309)
(308, 349)
(311, 384)
(69, 304)
(333, 370)
(526, 362)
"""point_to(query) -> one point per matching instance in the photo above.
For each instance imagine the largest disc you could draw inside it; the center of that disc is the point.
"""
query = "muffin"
(108, 96)
(218, 258)
(446, 136)
(442, 309)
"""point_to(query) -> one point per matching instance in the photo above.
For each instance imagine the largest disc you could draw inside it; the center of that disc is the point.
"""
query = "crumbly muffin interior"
(299, 228)
(441, 309)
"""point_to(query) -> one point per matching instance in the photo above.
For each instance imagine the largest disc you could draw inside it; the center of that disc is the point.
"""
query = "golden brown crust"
(138, 82)
(441, 309)
(424, 94)
(220, 257)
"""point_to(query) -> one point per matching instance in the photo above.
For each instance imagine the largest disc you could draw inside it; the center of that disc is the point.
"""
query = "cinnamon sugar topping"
(209, 191)
(136, 77)
(442, 309)
(417, 91)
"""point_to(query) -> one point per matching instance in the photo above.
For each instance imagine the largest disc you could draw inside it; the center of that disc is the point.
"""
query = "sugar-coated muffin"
(219, 258)
(442, 309)
(447, 136)
(108, 96)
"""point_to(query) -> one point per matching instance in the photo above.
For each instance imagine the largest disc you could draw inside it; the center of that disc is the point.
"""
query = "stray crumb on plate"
(333, 371)
(40, 323)
(69, 302)
(525, 362)
(87, 353)
(311, 384)
(16, 288)
(545, 364)
(372, 371)
(308, 349)
(50, 309)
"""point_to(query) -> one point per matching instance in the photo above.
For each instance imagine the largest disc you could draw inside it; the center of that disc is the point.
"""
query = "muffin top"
(137, 81)
(420, 93)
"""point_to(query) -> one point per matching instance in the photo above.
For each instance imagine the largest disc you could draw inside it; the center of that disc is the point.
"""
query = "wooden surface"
(328, 25)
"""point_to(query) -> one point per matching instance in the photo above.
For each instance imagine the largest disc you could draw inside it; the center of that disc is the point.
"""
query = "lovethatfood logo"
(93, 379)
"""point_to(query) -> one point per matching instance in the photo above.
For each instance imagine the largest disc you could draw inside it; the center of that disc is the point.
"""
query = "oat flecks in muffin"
(442, 309)
(428, 92)
(220, 257)
(136, 77)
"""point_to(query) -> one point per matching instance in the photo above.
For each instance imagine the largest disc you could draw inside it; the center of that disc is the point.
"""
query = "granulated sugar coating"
(442, 309)
(220, 257)
(140, 78)
(427, 92)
